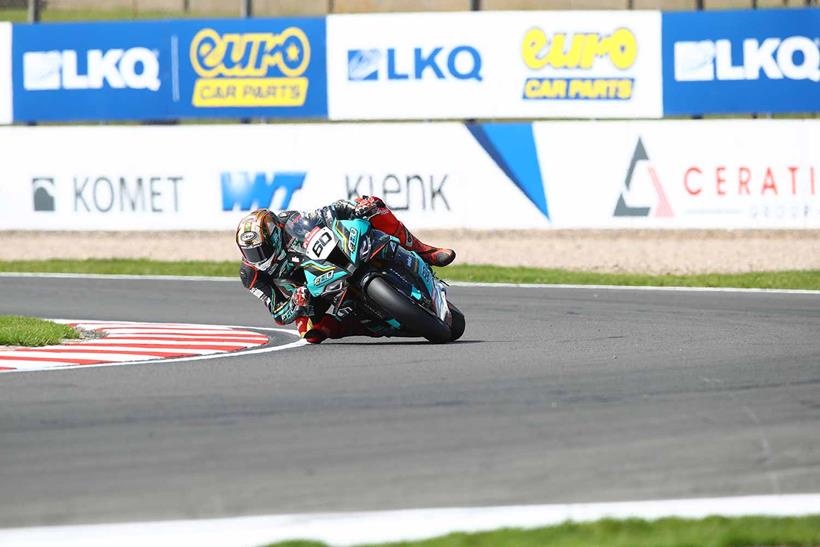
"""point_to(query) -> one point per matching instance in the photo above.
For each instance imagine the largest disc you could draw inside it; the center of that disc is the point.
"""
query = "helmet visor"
(259, 253)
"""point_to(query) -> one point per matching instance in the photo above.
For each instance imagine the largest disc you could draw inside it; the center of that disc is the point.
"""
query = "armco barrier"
(651, 174)
(764, 61)
(169, 70)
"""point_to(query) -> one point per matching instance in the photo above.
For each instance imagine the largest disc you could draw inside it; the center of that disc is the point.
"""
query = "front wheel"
(457, 324)
(409, 315)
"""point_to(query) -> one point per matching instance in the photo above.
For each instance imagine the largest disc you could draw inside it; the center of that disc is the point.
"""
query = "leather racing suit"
(282, 286)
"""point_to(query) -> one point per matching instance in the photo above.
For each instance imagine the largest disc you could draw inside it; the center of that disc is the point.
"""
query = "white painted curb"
(343, 529)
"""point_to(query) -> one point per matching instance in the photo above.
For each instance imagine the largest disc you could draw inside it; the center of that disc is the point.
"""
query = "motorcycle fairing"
(320, 276)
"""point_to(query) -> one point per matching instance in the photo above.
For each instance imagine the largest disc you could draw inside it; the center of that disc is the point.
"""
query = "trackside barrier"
(6, 106)
(558, 64)
(482, 65)
(170, 70)
(649, 174)
(765, 61)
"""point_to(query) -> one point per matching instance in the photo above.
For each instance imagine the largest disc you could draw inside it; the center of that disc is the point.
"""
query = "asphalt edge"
(357, 528)
(132, 277)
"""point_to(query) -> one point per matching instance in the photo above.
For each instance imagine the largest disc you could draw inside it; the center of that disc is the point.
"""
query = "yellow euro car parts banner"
(534, 64)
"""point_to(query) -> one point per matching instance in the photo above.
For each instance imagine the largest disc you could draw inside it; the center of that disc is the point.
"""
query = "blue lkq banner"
(168, 70)
(746, 61)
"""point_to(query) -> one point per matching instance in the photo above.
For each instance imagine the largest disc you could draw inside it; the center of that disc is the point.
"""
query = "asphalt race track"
(554, 395)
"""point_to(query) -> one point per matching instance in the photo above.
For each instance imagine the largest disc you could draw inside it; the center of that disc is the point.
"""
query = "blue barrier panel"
(763, 61)
(170, 69)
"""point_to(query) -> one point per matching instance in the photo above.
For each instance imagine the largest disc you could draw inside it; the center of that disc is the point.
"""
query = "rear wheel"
(411, 317)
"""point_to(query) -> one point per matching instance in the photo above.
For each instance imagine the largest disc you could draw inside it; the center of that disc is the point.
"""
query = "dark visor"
(259, 253)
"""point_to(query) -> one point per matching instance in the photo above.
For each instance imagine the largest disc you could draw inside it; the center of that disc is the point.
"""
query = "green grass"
(801, 279)
(16, 330)
(798, 279)
(668, 532)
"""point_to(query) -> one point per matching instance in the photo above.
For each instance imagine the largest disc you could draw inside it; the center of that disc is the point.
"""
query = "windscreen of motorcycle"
(299, 226)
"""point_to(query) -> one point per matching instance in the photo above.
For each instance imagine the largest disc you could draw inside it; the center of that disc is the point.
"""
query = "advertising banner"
(206, 177)
(5, 74)
(749, 61)
(495, 65)
(682, 174)
(170, 70)
(650, 174)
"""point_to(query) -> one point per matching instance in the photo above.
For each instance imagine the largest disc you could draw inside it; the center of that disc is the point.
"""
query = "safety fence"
(468, 65)
(561, 174)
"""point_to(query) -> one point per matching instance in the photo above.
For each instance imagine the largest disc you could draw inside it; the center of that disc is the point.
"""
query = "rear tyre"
(457, 324)
(411, 317)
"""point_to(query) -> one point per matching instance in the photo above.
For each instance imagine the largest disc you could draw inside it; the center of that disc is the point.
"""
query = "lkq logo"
(582, 60)
(252, 69)
(458, 63)
(792, 58)
(247, 190)
(637, 198)
(134, 68)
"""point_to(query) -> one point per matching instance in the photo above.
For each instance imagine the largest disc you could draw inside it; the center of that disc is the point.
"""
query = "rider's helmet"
(259, 237)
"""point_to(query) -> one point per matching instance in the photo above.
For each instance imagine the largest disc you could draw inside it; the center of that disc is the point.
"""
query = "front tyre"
(457, 323)
(411, 317)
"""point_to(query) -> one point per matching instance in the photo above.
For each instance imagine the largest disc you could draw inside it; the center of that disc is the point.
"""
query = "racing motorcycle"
(356, 269)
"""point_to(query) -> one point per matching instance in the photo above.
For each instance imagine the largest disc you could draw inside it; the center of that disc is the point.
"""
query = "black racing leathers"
(281, 287)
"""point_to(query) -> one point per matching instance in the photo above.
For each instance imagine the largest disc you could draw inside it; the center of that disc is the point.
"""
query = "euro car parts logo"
(662, 208)
(793, 58)
(134, 68)
(583, 52)
(250, 68)
(459, 63)
(249, 191)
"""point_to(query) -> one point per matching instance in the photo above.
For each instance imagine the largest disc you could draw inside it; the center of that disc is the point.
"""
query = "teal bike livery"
(356, 269)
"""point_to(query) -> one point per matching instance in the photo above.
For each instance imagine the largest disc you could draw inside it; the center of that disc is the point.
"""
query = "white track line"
(453, 283)
(631, 288)
(345, 529)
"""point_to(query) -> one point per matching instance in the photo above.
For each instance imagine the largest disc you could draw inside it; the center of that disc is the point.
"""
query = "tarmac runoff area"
(555, 396)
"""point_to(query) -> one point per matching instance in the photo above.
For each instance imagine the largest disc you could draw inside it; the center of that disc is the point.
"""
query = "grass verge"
(668, 532)
(16, 330)
(799, 279)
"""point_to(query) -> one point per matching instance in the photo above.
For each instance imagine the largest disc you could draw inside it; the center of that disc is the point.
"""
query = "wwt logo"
(249, 191)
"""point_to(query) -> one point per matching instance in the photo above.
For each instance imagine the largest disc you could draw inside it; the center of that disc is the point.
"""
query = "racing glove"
(298, 305)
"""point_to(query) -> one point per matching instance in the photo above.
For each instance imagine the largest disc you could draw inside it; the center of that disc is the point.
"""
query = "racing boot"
(385, 221)
(328, 327)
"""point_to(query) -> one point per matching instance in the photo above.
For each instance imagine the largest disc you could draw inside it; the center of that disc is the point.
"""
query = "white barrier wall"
(6, 105)
(671, 174)
(683, 174)
(495, 65)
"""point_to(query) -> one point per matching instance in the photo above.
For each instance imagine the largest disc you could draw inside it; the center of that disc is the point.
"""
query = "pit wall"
(468, 65)
(542, 175)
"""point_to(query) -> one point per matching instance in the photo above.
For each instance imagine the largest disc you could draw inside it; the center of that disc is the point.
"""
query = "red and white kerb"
(131, 342)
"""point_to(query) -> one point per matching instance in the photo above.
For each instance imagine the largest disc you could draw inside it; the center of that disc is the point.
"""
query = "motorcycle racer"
(264, 238)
